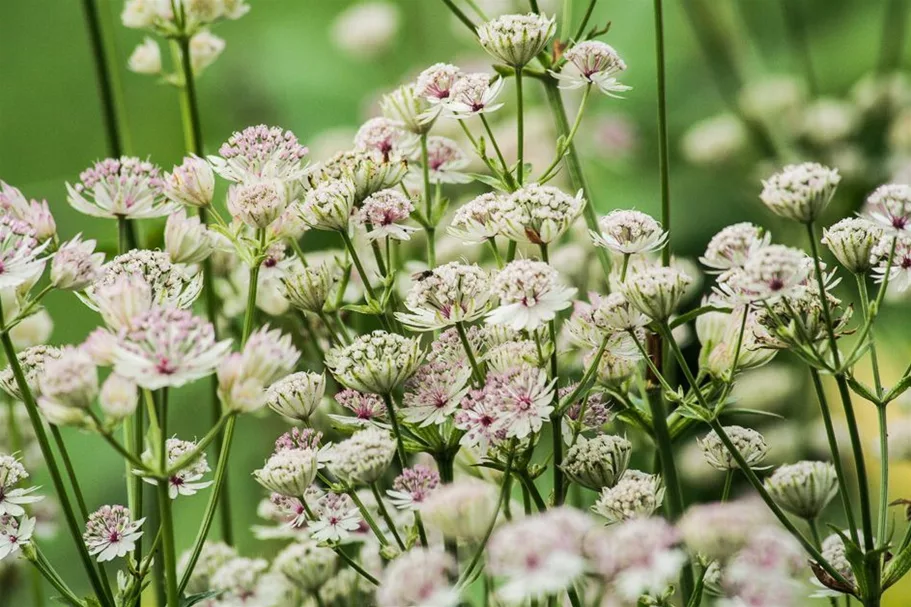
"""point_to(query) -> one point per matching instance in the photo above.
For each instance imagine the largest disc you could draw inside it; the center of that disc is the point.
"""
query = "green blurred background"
(284, 64)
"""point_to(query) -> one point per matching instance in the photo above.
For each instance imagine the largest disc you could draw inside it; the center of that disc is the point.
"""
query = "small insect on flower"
(800, 191)
(473, 94)
(13, 497)
(111, 533)
(539, 214)
(14, 534)
(449, 294)
(516, 39)
(261, 153)
(124, 187)
(412, 487)
(530, 295)
(629, 233)
(592, 62)
(383, 213)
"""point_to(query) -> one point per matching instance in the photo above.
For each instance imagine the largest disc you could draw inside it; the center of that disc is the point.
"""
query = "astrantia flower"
(336, 518)
(718, 530)
(433, 393)
(145, 58)
(598, 462)
(384, 212)
(12, 497)
(19, 253)
(260, 152)
(592, 62)
(420, 577)
(31, 361)
(306, 564)
(36, 214)
(296, 396)
(629, 233)
(288, 471)
(749, 443)
(412, 486)
(636, 495)
(655, 290)
(268, 355)
(899, 271)
(538, 555)
(366, 407)
(118, 398)
(539, 214)
(369, 171)
(462, 509)
(385, 136)
(168, 284)
(71, 379)
(478, 220)
(890, 206)
(76, 265)
(449, 294)
(524, 398)
(804, 488)
(516, 39)
(733, 245)
(435, 82)
(205, 48)
(409, 108)
(125, 187)
(237, 580)
(445, 162)
(376, 362)
(307, 288)
(186, 239)
(769, 274)
(167, 347)
(257, 203)
(473, 94)
(328, 206)
(111, 533)
(834, 551)
(512, 354)
(800, 191)
(851, 241)
(530, 295)
(364, 457)
(191, 183)
(188, 480)
(14, 534)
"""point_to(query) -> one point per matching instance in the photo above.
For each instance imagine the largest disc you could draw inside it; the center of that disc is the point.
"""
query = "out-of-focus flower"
(592, 62)
(31, 361)
(890, 206)
(306, 564)
(462, 509)
(445, 162)
(421, 576)
(76, 265)
(718, 530)
(14, 534)
(377, 362)
(366, 29)
(36, 214)
(516, 39)
(71, 379)
(187, 240)
(800, 191)
(146, 58)
(385, 136)
(120, 187)
(205, 48)
(111, 533)
(530, 295)
(716, 140)
(118, 398)
(211, 558)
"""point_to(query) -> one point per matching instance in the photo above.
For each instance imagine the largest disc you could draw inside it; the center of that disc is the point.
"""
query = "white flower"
(530, 295)
(804, 488)
(71, 379)
(376, 362)
(385, 136)
(852, 241)
(364, 457)
(118, 398)
(478, 220)
(257, 203)
(205, 48)
(111, 533)
(413, 486)
(187, 240)
(14, 534)
(449, 294)
(146, 58)
(188, 480)
(435, 82)
(592, 62)
(749, 443)
(408, 108)
(19, 253)
(336, 517)
(288, 471)
(656, 290)
(636, 495)
(445, 162)
(539, 214)
(191, 183)
(433, 393)
(900, 270)
(629, 233)
(733, 245)
(800, 191)
(36, 214)
(12, 498)
(328, 206)
(420, 577)
(296, 396)
(384, 213)
(260, 152)
(524, 397)
(516, 39)
(366, 29)
(473, 94)
(120, 187)
(890, 206)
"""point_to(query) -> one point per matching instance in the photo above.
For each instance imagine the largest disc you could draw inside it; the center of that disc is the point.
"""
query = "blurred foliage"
(283, 66)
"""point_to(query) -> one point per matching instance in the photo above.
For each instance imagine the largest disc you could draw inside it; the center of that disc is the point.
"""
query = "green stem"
(189, 104)
(663, 167)
(363, 273)
(469, 352)
(797, 33)
(492, 241)
(460, 15)
(728, 482)
(106, 87)
(883, 474)
(895, 28)
(419, 523)
(381, 506)
(168, 547)
(393, 419)
(250, 312)
(353, 564)
(66, 595)
(580, 31)
(428, 203)
(368, 517)
(70, 472)
(520, 128)
(550, 173)
(445, 464)
(496, 148)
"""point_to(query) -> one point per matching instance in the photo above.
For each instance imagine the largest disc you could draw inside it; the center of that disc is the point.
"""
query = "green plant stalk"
(728, 482)
(381, 506)
(797, 33)
(469, 352)
(550, 173)
(70, 472)
(504, 167)
(396, 430)
(110, 104)
(520, 128)
(556, 419)
(445, 464)
(168, 548)
(363, 273)
(580, 31)
(663, 166)
(45, 570)
(368, 517)
(54, 470)
(428, 204)
(895, 28)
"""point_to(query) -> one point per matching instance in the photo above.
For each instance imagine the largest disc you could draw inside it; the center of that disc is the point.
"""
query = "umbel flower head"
(852, 241)
(530, 295)
(32, 361)
(306, 564)
(191, 183)
(478, 219)
(890, 206)
(656, 290)
(749, 443)
(434, 392)
(636, 495)
(111, 533)
(539, 214)
(407, 107)
(598, 462)
(421, 576)
(385, 136)
(364, 457)
(260, 152)
(377, 362)
(71, 379)
(435, 83)
(771, 273)
(328, 206)
(244, 376)
(19, 253)
(308, 288)
(592, 62)
(13, 497)
(445, 161)
(800, 191)
(473, 94)
(15, 533)
(76, 265)
(36, 214)
(384, 212)
(629, 233)
(804, 488)
(336, 518)
(288, 471)
(462, 509)
(368, 170)
(257, 203)
(516, 39)
(167, 347)
(120, 187)
(733, 245)
(188, 480)
(187, 239)
(449, 294)
(412, 486)
(296, 396)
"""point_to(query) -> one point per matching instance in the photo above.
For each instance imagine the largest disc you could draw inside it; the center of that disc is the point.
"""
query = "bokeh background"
(317, 67)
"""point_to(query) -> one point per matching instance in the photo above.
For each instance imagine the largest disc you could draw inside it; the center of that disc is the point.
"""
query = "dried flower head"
(377, 362)
(111, 533)
(539, 214)
(749, 443)
(530, 295)
(191, 183)
(598, 462)
(516, 39)
(800, 191)
(804, 488)
(260, 153)
(629, 233)
(637, 494)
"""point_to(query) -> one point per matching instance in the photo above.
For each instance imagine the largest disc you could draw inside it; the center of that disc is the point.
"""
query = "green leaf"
(488, 180)
(363, 309)
(744, 411)
(193, 599)
(694, 314)
(897, 567)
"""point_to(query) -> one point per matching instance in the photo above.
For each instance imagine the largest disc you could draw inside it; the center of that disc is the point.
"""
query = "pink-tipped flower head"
(260, 152)
(126, 187)
(384, 212)
(530, 295)
(449, 294)
(111, 533)
(76, 265)
(434, 392)
(435, 83)
(473, 94)
(20, 261)
(12, 496)
(411, 488)
(36, 214)
(191, 183)
(593, 62)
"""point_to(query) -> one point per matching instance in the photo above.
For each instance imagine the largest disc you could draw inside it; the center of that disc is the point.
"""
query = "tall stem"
(797, 33)
(469, 352)
(883, 473)
(393, 418)
(663, 168)
(106, 77)
(520, 128)
(168, 547)
(428, 204)
(895, 28)
(381, 506)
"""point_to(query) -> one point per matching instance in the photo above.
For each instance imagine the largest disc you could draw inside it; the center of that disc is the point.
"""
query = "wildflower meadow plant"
(469, 423)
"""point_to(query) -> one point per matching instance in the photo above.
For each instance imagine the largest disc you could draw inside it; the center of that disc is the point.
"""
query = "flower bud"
(71, 379)
(377, 362)
(186, 239)
(258, 203)
(409, 108)
(146, 58)
(328, 205)
(748, 442)
(118, 398)
(803, 489)
(656, 291)
(33, 330)
(308, 288)
(636, 495)
(306, 564)
(192, 183)
(59, 414)
(76, 265)
(516, 39)
(288, 472)
(364, 457)
(598, 462)
(296, 396)
(205, 48)
(852, 241)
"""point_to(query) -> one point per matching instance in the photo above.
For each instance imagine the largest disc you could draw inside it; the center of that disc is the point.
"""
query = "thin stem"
(865, 307)
(496, 148)
(469, 352)
(550, 173)
(797, 34)
(67, 595)
(883, 473)
(381, 506)
(580, 31)
(363, 273)
(419, 523)
(70, 472)
(368, 517)
(250, 312)
(533, 492)
(520, 127)
(728, 482)
(460, 15)
(492, 242)
(106, 92)
(663, 168)
(167, 544)
(353, 564)
(428, 203)
(393, 418)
